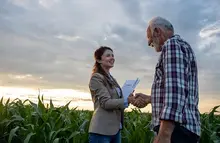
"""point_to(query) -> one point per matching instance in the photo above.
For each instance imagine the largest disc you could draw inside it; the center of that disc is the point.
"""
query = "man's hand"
(165, 132)
(159, 139)
(141, 100)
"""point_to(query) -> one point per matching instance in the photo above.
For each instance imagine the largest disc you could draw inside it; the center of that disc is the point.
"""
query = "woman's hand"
(130, 98)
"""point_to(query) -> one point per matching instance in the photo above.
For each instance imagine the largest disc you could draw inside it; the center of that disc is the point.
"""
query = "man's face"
(154, 39)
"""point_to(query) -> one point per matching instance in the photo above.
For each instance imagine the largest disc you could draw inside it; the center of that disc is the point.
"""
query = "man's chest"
(159, 77)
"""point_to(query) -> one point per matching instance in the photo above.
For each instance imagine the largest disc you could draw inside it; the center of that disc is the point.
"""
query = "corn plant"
(28, 122)
(210, 127)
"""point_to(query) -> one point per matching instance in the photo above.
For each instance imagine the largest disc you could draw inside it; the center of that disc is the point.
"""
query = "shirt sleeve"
(175, 82)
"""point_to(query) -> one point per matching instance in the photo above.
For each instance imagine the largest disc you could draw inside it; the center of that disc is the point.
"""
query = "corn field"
(27, 122)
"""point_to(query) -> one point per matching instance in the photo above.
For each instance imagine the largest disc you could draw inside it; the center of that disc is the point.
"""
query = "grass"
(27, 122)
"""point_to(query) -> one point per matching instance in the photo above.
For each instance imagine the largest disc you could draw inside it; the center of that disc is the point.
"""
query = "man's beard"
(156, 43)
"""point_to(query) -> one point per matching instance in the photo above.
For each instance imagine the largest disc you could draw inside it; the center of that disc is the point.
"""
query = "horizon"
(82, 102)
(49, 44)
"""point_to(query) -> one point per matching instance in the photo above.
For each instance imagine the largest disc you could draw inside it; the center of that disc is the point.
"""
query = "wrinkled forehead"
(149, 36)
(148, 32)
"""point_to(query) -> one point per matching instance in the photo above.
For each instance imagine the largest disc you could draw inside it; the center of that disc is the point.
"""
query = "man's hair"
(159, 22)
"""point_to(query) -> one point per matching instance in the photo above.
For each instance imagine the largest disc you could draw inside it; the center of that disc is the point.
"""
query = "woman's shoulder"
(96, 80)
(97, 77)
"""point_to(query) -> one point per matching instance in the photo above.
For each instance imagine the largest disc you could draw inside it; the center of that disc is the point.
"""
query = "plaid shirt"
(174, 93)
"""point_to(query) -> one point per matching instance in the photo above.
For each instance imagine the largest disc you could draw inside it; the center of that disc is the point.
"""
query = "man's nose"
(150, 42)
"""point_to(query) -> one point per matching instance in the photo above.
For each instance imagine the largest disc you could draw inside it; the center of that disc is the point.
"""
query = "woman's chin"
(111, 66)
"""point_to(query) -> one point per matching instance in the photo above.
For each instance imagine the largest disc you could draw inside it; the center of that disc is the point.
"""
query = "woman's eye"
(109, 55)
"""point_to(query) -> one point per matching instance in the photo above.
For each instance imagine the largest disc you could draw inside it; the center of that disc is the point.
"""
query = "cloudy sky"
(50, 43)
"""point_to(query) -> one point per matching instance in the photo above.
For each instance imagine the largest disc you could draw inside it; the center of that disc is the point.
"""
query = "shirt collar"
(175, 36)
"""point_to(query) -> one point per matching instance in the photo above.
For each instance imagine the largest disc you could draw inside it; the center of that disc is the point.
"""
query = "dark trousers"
(182, 135)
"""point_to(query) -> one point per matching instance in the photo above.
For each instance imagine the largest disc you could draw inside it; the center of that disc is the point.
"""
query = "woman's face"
(107, 59)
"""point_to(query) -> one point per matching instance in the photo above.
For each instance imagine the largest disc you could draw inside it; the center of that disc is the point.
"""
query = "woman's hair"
(98, 55)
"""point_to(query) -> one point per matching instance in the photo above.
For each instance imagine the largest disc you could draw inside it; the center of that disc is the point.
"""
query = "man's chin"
(158, 49)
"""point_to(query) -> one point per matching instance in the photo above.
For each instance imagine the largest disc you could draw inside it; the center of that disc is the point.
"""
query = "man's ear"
(156, 31)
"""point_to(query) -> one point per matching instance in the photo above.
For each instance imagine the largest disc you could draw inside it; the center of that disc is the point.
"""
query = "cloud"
(55, 39)
(48, 3)
(210, 38)
(68, 38)
(209, 56)
(210, 30)
(21, 3)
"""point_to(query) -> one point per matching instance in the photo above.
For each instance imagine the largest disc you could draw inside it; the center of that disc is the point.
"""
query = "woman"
(109, 104)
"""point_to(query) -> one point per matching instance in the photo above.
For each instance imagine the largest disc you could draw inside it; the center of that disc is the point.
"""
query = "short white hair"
(159, 22)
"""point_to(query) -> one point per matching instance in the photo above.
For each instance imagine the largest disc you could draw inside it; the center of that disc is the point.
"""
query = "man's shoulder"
(173, 39)
(176, 41)
(170, 43)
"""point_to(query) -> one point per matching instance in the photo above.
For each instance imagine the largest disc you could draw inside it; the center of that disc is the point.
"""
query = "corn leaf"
(12, 134)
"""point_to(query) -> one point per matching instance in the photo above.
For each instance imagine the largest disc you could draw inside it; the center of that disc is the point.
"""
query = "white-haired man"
(174, 94)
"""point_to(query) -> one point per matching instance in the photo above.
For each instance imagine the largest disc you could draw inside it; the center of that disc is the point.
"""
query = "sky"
(49, 44)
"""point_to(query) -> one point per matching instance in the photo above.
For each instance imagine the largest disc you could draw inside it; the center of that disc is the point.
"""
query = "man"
(174, 94)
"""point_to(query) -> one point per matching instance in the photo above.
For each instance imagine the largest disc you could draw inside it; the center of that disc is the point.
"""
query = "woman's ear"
(98, 61)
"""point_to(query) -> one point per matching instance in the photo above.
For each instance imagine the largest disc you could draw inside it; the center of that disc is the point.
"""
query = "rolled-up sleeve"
(175, 82)
(102, 94)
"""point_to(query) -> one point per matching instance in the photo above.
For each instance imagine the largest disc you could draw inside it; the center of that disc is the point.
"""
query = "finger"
(132, 100)
(135, 102)
(139, 104)
(137, 95)
(140, 99)
(143, 99)
(142, 105)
